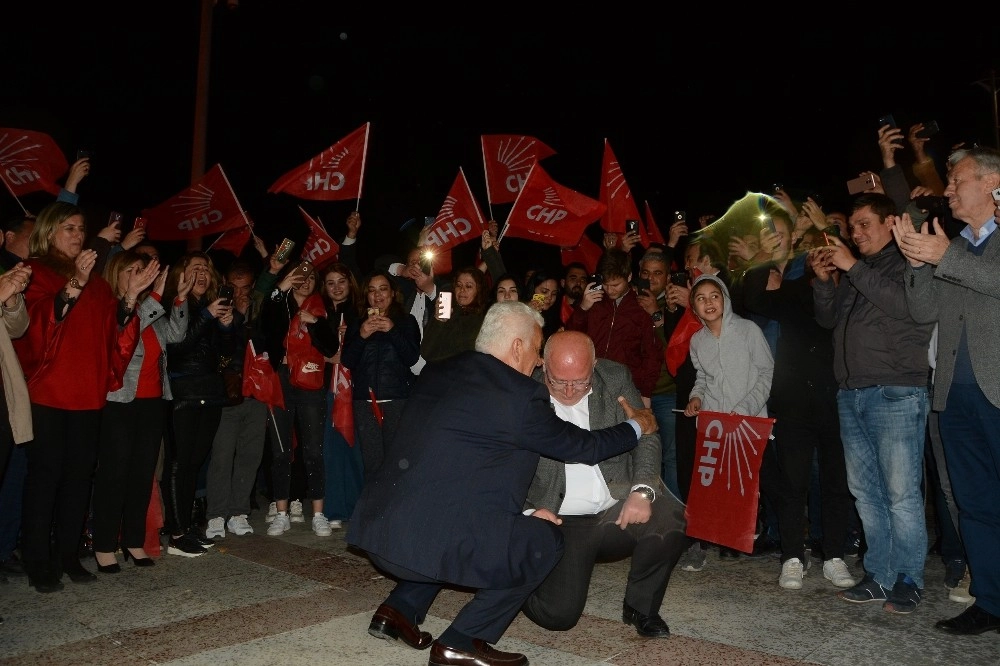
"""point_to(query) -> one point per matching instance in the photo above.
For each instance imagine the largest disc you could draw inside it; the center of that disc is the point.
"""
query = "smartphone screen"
(226, 292)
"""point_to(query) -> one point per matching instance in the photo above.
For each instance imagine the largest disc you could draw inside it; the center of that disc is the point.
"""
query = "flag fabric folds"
(507, 159)
(652, 229)
(617, 196)
(233, 240)
(547, 212)
(725, 482)
(206, 207)
(30, 161)
(376, 409)
(335, 174)
(342, 413)
(319, 249)
(260, 381)
(459, 220)
(587, 252)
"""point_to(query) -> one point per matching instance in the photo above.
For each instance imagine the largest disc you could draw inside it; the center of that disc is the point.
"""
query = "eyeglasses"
(563, 384)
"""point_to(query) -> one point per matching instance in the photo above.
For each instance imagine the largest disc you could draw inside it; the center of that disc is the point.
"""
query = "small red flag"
(587, 252)
(507, 159)
(459, 220)
(616, 195)
(333, 175)
(547, 212)
(207, 207)
(233, 240)
(260, 381)
(376, 410)
(320, 248)
(725, 483)
(30, 161)
(652, 229)
(343, 402)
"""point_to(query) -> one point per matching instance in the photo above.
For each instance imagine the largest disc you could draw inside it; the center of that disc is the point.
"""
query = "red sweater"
(73, 363)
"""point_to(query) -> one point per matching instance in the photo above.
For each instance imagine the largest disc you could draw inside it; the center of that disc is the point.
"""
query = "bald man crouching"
(615, 509)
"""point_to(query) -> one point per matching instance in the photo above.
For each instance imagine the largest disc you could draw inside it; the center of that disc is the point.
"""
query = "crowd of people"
(485, 398)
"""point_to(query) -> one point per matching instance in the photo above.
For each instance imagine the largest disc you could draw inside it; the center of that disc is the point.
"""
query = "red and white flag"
(260, 381)
(587, 252)
(343, 402)
(547, 212)
(725, 482)
(652, 229)
(207, 207)
(320, 248)
(616, 195)
(333, 175)
(507, 159)
(459, 220)
(30, 161)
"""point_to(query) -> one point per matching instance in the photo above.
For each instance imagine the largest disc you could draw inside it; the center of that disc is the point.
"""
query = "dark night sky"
(696, 116)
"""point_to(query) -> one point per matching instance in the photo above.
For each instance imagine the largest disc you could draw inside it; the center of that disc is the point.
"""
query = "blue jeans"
(663, 405)
(970, 429)
(883, 430)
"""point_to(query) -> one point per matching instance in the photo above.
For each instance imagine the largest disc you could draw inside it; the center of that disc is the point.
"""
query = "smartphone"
(930, 129)
(679, 216)
(226, 292)
(641, 284)
(887, 119)
(140, 223)
(426, 261)
(284, 250)
(374, 312)
(115, 218)
(777, 187)
(538, 298)
(860, 184)
(679, 278)
(442, 311)
(83, 154)
(631, 226)
(597, 280)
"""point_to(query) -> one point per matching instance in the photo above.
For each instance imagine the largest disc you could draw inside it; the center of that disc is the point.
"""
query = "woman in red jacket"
(79, 341)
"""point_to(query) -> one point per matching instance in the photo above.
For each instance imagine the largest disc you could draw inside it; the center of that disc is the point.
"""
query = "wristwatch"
(646, 492)
(73, 282)
(657, 316)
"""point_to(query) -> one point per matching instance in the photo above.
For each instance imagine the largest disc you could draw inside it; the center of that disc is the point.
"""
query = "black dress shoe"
(482, 654)
(650, 626)
(388, 623)
(137, 561)
(974, 620)
(112, 568)
(77, 573)
(44, 583)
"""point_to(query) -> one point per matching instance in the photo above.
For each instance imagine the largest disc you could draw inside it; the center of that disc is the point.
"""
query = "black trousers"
(126, 462)
(654, 546)
(535, 547)
(61, 460)
(189, 440)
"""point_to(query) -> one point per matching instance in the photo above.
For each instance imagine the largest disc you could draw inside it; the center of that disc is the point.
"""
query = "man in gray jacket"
(609, 511)
(955, 283)
(881, 368)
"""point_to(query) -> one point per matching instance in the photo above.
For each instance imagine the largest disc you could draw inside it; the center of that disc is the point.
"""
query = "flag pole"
(23, 209)
(520, 192)
(364, 158)
(489, 195)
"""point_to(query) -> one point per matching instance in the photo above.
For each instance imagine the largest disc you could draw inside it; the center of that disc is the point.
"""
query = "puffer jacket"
(383, 360)
(204, 342)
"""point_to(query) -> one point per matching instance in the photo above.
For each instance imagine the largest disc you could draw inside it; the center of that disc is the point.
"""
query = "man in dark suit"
(446, 506)
(613, 510)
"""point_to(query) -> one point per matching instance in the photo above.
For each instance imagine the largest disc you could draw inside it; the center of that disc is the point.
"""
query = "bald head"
(569, 366)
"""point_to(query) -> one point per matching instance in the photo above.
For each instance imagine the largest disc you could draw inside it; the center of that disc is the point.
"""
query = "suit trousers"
(488, 614)
(654, 546)
(126, 462)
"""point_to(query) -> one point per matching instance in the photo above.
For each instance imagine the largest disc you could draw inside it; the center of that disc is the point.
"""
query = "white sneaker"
(320, 525)
(216, 528)
(792, 572)
(335, 525)
(279, 525)
(960, 593)
(272, 511)
(295, 512)
(835, 571)
(239, 526)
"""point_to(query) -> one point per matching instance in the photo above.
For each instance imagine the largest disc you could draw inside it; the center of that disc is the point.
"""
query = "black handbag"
(206, 390)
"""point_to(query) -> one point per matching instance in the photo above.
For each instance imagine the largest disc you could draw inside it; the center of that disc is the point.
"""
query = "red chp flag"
(459, 220)
(233, 240)
(206, 207)
(547, 212)
(343, 402)
(587, 252)
(260, 381)
(507, 159)
(333, 175)
(616, 195)
(652, 230)
(725, 483)
(320, 248)
(30, 161)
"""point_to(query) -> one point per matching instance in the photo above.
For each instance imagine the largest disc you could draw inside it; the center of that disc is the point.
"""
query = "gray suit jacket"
(640, 465)
(963, 290)
(169, 329)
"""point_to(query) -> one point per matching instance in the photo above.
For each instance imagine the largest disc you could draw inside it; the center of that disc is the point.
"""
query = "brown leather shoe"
(483, 655)
(388, 623)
